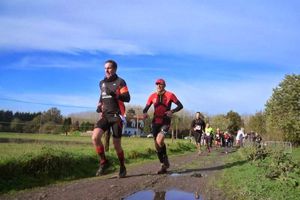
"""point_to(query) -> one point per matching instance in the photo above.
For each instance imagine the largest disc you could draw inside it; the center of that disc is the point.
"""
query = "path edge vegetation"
(261, 174)
(55, 164)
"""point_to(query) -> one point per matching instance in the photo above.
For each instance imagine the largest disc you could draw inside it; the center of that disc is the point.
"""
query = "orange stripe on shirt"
(123, 90)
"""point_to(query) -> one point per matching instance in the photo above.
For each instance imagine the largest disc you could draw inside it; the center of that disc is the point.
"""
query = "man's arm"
(192, 125)
(148, 105)
(99, 106)
(178, 107)
(121, 94)
(203, 125)
(124, 94)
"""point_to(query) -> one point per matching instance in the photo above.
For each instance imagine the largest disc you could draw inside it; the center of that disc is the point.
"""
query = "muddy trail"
(190, 176)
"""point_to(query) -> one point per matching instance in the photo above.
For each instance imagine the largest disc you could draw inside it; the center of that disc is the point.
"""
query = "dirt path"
(189, 173)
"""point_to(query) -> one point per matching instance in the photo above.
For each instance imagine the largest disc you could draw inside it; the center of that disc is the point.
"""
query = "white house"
(133, 127)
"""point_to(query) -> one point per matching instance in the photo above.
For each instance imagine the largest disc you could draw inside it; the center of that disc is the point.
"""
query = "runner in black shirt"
(198, 127)
(114, 93)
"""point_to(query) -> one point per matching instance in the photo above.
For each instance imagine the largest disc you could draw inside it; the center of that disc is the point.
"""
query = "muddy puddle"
(192, 174)
(163, 195)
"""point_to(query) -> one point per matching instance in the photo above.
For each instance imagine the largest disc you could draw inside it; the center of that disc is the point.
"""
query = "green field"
(41, 159)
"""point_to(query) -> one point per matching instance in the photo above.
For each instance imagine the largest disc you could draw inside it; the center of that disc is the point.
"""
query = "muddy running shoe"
(163, 169)
(122, 172)
(102, 169)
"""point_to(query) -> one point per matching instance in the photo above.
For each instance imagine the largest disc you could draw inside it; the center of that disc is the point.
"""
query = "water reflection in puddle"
(192, 174)
(163, 195)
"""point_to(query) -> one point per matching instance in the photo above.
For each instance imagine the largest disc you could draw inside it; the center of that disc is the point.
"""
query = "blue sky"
(215, 56)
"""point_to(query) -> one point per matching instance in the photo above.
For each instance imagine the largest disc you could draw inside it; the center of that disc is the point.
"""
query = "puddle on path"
(163, 195)
(192, 174)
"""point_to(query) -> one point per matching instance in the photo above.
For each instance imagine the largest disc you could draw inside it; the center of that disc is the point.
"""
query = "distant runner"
(114, 93)
(208, 136)
(198, 127)
(162, 101)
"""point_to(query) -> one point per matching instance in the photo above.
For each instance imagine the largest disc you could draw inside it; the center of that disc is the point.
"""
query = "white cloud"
(39, 34)
(38, 61)
(244, 31)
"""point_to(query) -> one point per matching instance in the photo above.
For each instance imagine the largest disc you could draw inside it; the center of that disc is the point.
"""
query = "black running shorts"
(111, 121)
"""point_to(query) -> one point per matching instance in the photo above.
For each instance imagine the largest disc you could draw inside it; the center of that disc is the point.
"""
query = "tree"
(86, 126)
(16, 125)
(34, 126)
(257, 123)
(76, 126)
(174, 125)
(130, 113)
(283, 109)
(50, 127)
(25, 116)
(51, 121)
(52, 115)
(5, 118)
(67, 125)
(219, 121)
(235, 121)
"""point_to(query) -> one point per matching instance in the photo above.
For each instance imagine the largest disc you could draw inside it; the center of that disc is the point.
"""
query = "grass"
(272, 176)
(50, 137)
(27, 165)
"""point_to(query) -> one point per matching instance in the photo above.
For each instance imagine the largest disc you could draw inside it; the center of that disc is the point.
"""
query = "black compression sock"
(160, 155)
(164, 149)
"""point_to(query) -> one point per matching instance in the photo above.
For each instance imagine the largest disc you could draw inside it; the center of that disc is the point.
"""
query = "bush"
(277, 164)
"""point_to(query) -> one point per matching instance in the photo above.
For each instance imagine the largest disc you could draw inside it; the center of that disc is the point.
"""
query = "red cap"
(160, 81)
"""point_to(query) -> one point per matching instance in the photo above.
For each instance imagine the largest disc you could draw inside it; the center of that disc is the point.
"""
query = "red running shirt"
(162, 103)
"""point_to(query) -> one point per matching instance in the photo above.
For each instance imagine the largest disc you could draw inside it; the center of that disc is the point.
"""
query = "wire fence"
(44, 104)
(80, 117)
(286, 147)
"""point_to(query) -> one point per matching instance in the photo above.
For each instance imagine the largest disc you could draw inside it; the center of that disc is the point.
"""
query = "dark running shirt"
(199, 124)
(114, 93)
(162, 103)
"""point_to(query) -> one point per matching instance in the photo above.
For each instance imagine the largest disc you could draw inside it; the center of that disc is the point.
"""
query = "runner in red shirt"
(162, 101)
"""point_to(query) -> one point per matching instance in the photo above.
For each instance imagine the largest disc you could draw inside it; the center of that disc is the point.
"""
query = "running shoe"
(122, 172)
(162, 170)
(102, 169)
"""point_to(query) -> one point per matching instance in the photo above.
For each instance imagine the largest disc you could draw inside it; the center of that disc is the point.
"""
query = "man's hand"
(169, 113)
(99, 109)
(110, 92)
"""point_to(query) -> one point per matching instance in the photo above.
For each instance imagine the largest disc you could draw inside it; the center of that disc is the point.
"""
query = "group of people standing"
(113, 93)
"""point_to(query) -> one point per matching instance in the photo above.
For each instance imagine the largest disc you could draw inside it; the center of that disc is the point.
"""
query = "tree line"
(50, 121)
